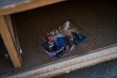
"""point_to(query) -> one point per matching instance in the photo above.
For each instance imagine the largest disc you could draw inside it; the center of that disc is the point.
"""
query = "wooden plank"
(8, 41)
(10, 26)
(26, 5)
(14, 34)
(70, 64)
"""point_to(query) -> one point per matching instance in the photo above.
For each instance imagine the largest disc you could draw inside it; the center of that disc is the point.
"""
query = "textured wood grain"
(8, 41)
(27, 5)
(68, 65)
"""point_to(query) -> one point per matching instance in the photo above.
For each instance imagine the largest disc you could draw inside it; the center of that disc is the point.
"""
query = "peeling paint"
(16, 4)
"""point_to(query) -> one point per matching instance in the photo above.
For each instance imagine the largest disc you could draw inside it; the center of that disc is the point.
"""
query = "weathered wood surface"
(25, 5)
(10, 26)
(94, 18)
(8, 41)
(65, 66)
(33, 25)
(14, 35)
(7, 32)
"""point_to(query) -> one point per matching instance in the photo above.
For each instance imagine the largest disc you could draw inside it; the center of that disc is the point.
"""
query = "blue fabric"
(77, 38)
(58, 45)
(59, 54)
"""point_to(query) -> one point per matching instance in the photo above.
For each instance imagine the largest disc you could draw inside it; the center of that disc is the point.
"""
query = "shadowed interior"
(97, 19)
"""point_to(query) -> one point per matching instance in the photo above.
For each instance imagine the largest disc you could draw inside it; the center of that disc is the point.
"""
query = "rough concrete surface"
(103, 70)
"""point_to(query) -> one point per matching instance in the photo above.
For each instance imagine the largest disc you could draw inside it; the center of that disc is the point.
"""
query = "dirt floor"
(97, 19)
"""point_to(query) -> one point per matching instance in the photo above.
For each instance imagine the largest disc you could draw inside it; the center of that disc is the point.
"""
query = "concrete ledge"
(26, 5)
(74, 63)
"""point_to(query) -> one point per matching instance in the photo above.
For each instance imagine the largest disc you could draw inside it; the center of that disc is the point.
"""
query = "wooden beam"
(9, 43)
(26, 5)
(70, 64)
(14, 34)
(10, 26)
